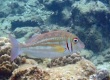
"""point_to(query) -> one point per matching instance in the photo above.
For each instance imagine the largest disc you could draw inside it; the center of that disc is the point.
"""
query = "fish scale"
(47, 41)
(54, 36)
(50, 35)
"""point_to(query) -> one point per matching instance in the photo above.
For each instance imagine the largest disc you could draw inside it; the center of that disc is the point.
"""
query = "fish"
(52, 44)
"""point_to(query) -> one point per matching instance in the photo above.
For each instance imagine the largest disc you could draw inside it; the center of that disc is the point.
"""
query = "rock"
(29, 72)
(6, 65)
(85, 7)
(100, 75)
(62, 61)
(78, 71)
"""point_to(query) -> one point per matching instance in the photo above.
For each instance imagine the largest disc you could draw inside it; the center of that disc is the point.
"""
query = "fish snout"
(82, 46)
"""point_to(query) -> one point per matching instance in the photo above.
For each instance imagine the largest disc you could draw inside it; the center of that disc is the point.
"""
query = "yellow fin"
(58, 48)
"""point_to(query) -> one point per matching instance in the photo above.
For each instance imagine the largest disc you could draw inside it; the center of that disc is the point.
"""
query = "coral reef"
(89, 19)
(62, 61)
(106, 55)
(67, 68)
(91, 6)
(25, 31)
(20, 10)
(100, 75)
(78, 71)
(88, 54)
(102, 61)
(84, 14)
(6, 65)
(29, 72)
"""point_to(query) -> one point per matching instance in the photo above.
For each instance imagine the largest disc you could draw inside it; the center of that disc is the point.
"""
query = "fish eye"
(75, 40)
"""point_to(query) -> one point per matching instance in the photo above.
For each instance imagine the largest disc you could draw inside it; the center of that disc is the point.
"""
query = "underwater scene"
(54, 39)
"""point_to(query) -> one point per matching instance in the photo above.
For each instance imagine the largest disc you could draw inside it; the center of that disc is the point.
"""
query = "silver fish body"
(48, 45)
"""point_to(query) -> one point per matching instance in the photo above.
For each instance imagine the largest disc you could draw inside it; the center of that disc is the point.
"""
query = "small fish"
(52, 44)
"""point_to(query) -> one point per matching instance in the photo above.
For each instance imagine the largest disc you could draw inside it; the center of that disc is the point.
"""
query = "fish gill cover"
(88, 19)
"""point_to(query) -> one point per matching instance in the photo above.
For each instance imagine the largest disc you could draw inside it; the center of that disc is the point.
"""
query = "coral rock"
(29, 72)
(62, 61)
(100, 75)
(6, 65)
(81, 70)
(78, 71)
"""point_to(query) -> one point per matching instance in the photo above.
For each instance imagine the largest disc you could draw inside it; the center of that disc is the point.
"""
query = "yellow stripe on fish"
(58, 48)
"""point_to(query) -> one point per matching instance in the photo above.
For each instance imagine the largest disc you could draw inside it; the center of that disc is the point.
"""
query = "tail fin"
(15, 51)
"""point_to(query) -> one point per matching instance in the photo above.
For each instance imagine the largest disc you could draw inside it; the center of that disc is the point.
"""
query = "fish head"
(77, 44)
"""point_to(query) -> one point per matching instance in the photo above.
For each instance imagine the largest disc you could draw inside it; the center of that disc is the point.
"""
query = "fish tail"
(15, 50)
